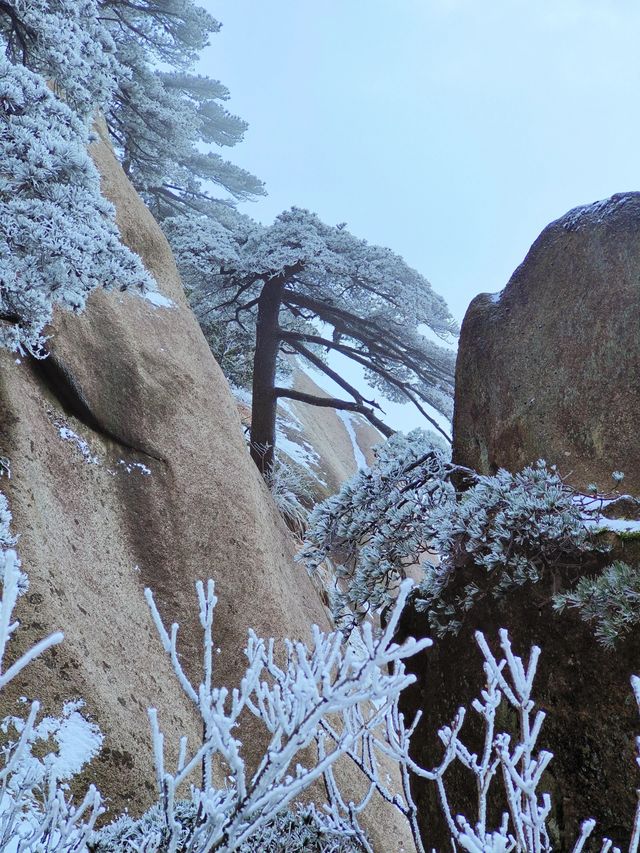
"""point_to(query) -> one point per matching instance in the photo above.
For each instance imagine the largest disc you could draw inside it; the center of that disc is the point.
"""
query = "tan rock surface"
(326, 434)
(550, 367)
(138, 384)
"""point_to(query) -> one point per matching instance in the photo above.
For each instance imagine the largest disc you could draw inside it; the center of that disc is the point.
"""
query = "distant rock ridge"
(549, 367)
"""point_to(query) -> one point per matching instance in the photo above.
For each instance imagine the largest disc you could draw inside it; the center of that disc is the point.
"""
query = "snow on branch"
(298, 702)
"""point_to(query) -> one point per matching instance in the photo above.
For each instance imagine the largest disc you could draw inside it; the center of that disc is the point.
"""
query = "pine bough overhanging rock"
(58, 240)
(504, 531)
(379, 524)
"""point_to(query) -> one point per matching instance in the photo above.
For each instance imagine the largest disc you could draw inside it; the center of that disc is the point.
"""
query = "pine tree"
(308, 288)
(58, 240)
(162, 119)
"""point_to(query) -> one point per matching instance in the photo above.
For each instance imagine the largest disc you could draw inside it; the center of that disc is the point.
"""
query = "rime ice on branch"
(290, 283)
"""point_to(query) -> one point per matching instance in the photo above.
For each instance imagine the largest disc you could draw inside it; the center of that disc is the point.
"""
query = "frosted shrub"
(511, 527)
(610, 601)
(379, 524)
(337, 698)
(513, 763)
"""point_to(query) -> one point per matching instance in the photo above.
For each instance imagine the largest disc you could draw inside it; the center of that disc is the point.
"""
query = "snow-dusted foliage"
(165, 118)
(332, 696)
(508, 528)
(67, 43)
(512, 527)
(378, 524)
(58, 240)
(306, 288)
(610, 601)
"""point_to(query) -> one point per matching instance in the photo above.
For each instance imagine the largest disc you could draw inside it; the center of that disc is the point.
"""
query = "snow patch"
(158, 299)
(591, 508)
(596, 213)
(67, 434)
(77, 741)
(298, 450)
(618, 525)
(131, 466)
(346, 418)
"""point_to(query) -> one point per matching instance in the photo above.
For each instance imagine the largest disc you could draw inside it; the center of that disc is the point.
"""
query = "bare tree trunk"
(264, 403)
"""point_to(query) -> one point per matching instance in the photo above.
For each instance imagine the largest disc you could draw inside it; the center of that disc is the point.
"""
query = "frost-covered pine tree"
(58, 240)
(308, 288)
(163, 118)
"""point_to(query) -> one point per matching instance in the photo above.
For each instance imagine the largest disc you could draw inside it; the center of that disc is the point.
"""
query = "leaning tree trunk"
(264, 403)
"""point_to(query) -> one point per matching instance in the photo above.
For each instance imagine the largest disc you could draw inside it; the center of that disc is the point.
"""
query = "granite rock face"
(129, 470)
(549, 367)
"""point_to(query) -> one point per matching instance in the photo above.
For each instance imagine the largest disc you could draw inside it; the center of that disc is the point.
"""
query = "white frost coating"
(358, 455)
(67, 434)
(158, 299)
(595, 213)
(618, 525)
(131, 466)
(298, 697)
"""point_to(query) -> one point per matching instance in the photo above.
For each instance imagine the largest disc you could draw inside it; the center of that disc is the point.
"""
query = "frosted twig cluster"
(36, 812)
(511, 761)
(333, 695)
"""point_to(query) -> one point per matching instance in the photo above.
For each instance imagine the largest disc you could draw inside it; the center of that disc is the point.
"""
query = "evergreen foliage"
(299, 277)
(67, 44)
(58, 240)
(379, 524)
(163, 117)
(510, 528)
(610, 601)
(63, 60)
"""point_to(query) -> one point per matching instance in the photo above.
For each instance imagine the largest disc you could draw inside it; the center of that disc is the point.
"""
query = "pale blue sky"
(452, 131)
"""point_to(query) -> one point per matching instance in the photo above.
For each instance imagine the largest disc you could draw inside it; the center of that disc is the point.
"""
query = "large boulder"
(129, 469)
(584, 689)
(549, 367)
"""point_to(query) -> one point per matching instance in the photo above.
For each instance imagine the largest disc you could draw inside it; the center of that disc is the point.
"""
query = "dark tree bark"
(264, 404)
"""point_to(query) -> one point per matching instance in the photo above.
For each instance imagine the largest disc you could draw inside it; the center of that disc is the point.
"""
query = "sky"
(451, 131)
